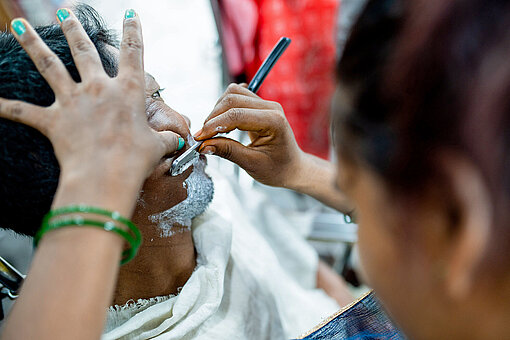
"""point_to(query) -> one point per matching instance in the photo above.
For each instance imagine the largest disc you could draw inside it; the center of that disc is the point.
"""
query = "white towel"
(239, 290)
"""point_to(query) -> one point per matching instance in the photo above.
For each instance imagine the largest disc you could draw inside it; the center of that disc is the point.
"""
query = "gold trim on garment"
(329, 319)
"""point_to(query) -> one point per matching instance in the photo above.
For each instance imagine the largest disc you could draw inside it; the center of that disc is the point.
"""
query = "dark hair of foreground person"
(445, 86)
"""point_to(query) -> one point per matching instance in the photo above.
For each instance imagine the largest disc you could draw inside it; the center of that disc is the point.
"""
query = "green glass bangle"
(134, 238)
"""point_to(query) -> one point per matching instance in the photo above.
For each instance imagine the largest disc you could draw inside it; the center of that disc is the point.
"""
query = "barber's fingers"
(35, 116)
(47, 62)
(237, 89)
(171, 142)
(84, 52)
(234, 100)
(240, 89)
(264, 122)
(131, 47)
(231, 150)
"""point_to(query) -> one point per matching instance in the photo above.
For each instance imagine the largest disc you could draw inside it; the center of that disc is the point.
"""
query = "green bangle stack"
(133, 237)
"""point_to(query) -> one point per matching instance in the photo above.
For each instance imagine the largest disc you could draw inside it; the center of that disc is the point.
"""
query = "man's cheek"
(164, 194)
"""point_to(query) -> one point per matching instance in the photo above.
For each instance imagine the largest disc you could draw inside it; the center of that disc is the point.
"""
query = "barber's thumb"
(225, 148)
(172, 141)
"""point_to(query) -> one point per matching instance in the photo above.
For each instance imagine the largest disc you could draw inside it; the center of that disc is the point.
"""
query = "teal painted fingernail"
(62, 14)
(130, 13)
(18, 26)
(181, 143)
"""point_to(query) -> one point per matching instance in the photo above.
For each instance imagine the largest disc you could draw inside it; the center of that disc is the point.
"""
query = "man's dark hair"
(29, 171)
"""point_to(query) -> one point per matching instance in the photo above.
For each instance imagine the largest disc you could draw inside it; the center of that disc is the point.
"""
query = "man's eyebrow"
(153, 80)
(151, 76)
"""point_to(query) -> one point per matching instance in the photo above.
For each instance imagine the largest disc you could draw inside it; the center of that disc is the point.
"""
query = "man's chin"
(200, 192)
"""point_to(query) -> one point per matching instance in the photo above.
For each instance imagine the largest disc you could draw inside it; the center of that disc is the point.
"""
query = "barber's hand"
(98, 127)
(273, 155)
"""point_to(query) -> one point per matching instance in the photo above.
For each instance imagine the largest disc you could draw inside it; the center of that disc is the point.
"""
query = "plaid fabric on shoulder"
(363, 319)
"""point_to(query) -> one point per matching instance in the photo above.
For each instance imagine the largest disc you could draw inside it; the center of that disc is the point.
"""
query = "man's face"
(166, 200)
(161, 191)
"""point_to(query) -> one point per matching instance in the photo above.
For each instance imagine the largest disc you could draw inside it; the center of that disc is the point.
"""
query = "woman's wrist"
(90, 189)
(105, 190)
(315, 177)
(295, 178)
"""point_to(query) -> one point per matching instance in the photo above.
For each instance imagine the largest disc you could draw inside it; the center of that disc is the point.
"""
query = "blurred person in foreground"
(421, 126)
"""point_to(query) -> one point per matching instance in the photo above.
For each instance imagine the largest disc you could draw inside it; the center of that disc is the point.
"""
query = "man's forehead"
(150, 82)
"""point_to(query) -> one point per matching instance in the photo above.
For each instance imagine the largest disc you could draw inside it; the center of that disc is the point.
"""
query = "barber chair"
(10, 283)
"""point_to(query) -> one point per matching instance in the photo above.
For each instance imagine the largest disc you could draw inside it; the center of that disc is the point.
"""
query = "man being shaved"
(209, 282)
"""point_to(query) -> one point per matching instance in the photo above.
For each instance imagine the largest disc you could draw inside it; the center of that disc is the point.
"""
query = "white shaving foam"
(191, 140)
(200, 190)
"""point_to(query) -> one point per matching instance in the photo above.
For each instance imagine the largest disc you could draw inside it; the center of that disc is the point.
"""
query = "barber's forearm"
(316, 177)
(73, 273)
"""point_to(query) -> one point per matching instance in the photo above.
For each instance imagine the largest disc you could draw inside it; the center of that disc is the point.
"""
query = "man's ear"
(469, 195)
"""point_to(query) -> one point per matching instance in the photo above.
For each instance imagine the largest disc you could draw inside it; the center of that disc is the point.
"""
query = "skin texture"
(113, 130)
(165, 262)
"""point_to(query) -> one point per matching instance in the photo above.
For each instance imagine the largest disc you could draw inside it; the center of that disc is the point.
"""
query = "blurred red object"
(9, 9)
(303, 80)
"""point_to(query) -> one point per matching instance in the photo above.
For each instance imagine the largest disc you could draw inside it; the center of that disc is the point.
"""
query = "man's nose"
(176, 123)
(166, 119)
(188, 121)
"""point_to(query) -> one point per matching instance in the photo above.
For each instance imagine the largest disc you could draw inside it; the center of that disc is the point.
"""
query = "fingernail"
(209, 150)
(130, 13)
(62, 14)
(198, 133)
(181, 144)
(18, 27)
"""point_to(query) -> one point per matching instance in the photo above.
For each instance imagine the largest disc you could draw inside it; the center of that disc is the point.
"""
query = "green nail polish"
(130, 13)
(62, 14)
(181, 143)
(18, 26)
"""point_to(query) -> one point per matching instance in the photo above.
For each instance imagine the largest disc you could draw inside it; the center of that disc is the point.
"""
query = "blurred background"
(195, 48)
